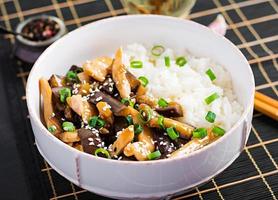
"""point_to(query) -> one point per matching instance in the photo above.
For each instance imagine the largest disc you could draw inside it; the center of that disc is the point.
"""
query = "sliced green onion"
(157, 50)
(129, 120)
(162, 103)
(68, 126)
(95, 121)
(100, 122)
(211, 98)
(127, 101)
(52, 128)
(144, 81)
(71, 75)
(200, 133)
(181, 61)
(210, 117)
(167, 61)
(136, 64)
(64, 94)
(218, 131)
(210, 74)
(160, 121)
(138, 129)
(145, 115)
(172, 133)
(154, 155)
(103, 152)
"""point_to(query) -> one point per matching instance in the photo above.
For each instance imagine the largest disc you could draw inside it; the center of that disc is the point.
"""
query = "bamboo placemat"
(253, 27)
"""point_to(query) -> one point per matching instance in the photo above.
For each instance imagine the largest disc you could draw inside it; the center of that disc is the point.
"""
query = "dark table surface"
(253, 27)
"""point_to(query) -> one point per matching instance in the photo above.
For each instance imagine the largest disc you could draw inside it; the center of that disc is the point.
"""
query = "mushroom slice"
(82, 107)
(48, 112)
(83, 77)
(185, 130)
(124, 138)
(172, 110)
(133, 81)
(119, 75)
(90, 141)
(57, 81)
(105, 112)
(193, 145)
(69, 137)
(116, 106)
(98, 68)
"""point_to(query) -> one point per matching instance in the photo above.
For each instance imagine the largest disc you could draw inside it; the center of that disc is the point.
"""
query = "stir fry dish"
(104, 110)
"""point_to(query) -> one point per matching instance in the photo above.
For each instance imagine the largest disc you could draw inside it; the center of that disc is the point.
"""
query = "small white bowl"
(147, 179)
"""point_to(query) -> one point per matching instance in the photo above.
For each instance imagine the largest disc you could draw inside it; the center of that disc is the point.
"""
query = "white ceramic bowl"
(148, 179)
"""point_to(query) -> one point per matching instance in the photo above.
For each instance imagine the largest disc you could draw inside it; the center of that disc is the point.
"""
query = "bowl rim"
(37, 120)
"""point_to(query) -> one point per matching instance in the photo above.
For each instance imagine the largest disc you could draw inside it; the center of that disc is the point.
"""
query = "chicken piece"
(82, 107)
(105, 112)
(69, 137)
(48, 112)
(137, 149)
(141, 90)
(145, 99)
(98, 68)
(83, 77)
(119, 76)
(124, 138)
(184, 130)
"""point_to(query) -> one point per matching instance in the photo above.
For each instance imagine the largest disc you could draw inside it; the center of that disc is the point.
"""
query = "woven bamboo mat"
(253, 27)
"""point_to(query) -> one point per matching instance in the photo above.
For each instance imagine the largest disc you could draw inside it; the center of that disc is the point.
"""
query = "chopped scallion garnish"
(210, 74)
(136, 64)
(52, 128)
(211, 98)
(144, 81)
(162, 103)
(181, 61)
(127, 102)
(95, 121)
(71, 76)
(100, 123)
(157, 50)
(68, 126)
(167, 61)
(210, 117)
(138, 129)
(145, 115)
(160, 121)
(200, 133)
(218, 131)
(64, 94)
(154, 155)
(129, 120)
(102, 152)
(172, 133)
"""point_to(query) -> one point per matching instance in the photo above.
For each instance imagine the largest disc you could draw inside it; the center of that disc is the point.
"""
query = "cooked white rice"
(188, 85)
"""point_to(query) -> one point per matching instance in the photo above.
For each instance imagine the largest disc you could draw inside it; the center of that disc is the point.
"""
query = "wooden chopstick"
(266, 105)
